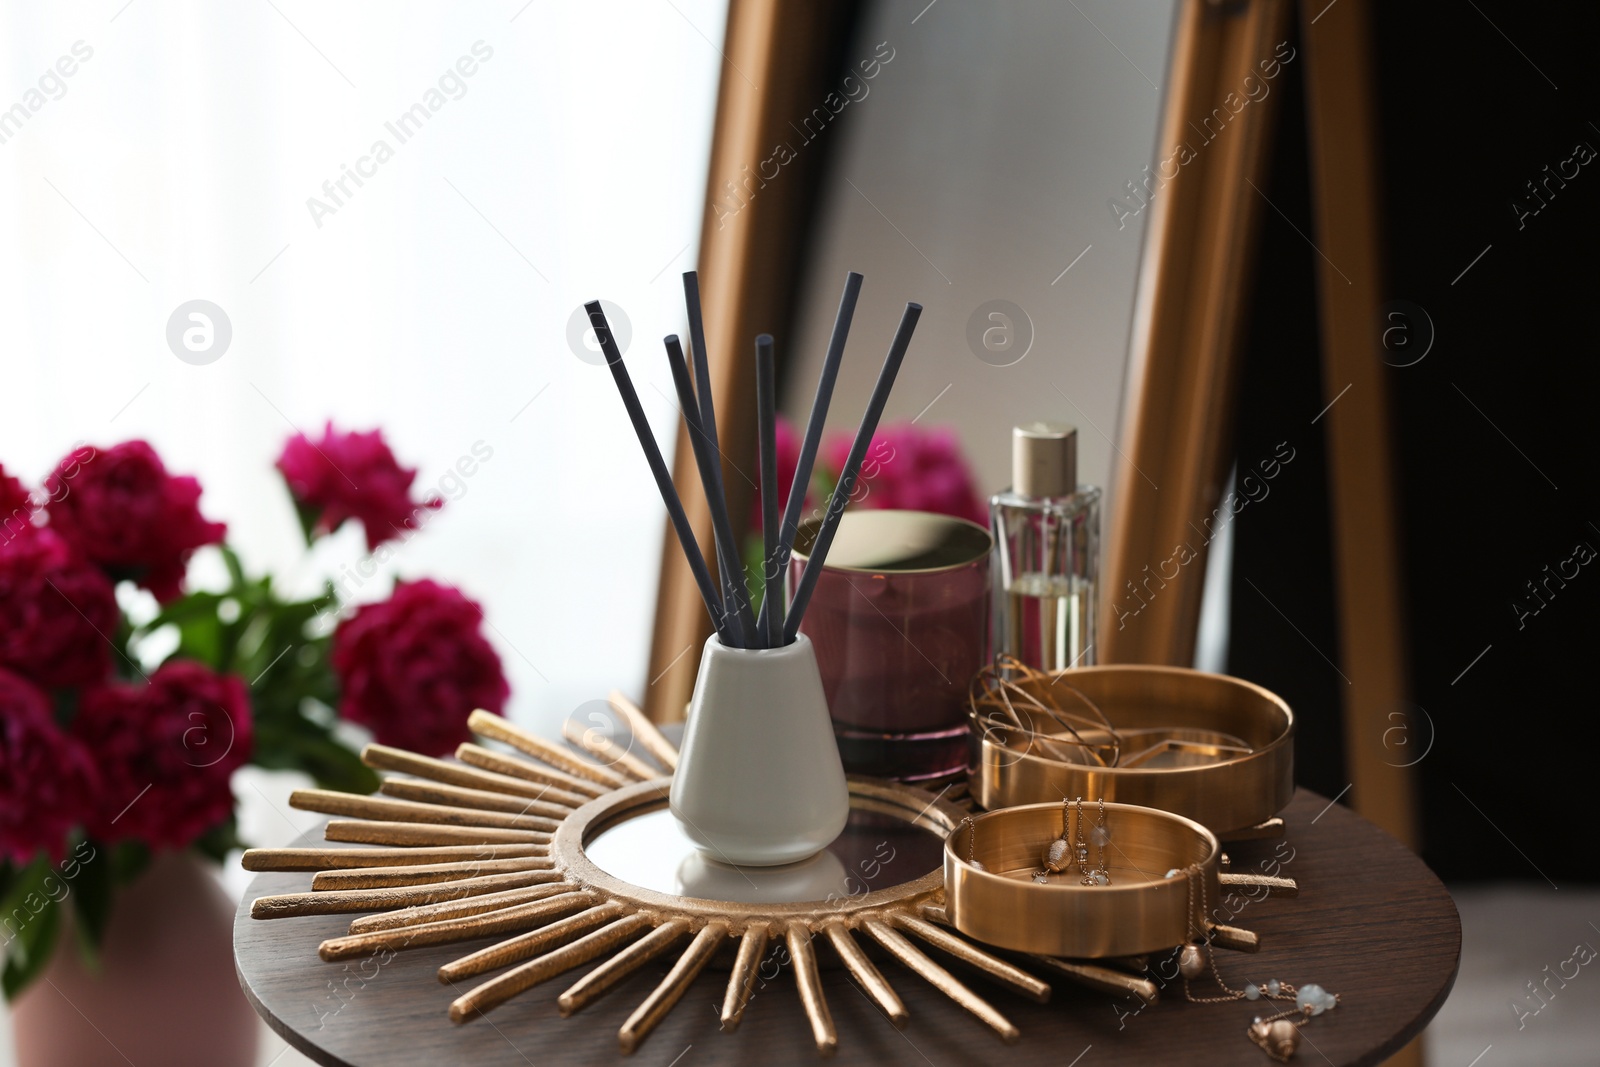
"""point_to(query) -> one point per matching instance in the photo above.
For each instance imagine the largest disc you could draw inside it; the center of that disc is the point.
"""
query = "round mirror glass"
(874, 852)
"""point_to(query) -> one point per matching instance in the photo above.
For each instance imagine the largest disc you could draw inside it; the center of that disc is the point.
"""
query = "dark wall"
(1495, 427)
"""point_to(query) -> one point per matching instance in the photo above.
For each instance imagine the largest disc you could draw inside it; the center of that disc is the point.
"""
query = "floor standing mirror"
(1103, 171)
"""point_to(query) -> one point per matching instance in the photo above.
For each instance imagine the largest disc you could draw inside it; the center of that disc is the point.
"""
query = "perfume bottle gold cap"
(1044, 459)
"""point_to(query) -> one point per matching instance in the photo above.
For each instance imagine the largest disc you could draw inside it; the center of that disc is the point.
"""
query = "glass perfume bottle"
(1047, 552)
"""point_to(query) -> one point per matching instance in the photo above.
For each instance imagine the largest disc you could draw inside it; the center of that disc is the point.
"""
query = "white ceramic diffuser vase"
(759, 782)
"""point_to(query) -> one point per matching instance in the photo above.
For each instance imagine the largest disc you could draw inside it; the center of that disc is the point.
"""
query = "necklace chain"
(1286, 991)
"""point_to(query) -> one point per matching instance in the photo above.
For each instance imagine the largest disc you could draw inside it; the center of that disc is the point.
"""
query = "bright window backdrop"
(434, 303)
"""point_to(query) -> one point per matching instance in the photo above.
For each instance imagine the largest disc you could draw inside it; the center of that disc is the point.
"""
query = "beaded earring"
(1056, 857)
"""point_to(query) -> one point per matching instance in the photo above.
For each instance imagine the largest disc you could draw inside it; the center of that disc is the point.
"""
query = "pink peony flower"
(58, 612)
(910, 469)
(16, 509)
(47, 781)
(166, 750)
(413, 667)
(123, 511)
(352, 476)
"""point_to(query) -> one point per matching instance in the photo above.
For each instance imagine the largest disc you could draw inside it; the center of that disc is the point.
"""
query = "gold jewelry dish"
(1208, 747)
(992, 893)
(538, 850)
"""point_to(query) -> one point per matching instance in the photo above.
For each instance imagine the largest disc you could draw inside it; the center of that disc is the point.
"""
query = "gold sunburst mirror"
(563, 860)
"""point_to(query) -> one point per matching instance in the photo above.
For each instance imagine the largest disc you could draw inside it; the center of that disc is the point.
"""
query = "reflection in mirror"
(874, 852)
(986, 172)
(818, 878)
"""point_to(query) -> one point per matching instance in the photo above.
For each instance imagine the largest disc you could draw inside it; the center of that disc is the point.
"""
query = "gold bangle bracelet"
(1215, 749)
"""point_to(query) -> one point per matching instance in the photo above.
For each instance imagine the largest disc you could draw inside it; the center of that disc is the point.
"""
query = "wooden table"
(1372, 924)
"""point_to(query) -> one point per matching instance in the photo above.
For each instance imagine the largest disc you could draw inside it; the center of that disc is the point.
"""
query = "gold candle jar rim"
(1141, 911)
(1224, 795)
(895, 541)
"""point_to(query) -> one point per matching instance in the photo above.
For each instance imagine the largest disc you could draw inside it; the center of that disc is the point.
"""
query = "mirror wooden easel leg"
(778, 57)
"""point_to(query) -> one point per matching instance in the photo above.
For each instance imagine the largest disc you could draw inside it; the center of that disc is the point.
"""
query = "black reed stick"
(735, 592)
(819, 415)
(769, 624)
(740, 621)
(658, 466)
(852, 470)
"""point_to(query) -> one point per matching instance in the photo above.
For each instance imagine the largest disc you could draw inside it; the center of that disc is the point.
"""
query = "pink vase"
(166, 992)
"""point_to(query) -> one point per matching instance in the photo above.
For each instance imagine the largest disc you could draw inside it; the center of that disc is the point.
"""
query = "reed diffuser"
(759, 780)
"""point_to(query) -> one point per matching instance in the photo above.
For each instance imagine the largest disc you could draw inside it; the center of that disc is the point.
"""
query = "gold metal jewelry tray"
(1198, 712)
(1141, 911)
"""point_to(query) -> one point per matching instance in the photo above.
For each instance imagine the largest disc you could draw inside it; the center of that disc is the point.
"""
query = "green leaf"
(187, 607)
(235, 569)
(20, 882)
(825, 482)
(336, 767)
(308, 517)
(201, 639)
(755, 551)
(243, 640)
(124, 666)
(38, 941)
(297, 743)
(291, 673)
(29, 920)
(199, 626)
(128, 861)
(92, 892)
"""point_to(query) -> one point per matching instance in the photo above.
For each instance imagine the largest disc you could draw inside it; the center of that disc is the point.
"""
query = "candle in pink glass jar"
(900, 622)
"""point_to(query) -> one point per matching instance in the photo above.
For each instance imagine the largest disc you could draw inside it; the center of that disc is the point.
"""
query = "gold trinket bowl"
(1163, 869)
(1208, 747)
